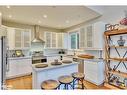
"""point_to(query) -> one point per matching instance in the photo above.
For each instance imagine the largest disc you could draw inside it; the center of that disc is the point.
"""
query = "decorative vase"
(121, 42)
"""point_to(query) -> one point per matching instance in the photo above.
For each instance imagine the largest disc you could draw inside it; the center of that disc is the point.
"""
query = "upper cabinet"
(55, 40)
(18, 38)
(27, 38)
(91, 36)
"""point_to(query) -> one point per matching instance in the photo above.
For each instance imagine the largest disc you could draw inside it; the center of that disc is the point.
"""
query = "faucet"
(74, 52)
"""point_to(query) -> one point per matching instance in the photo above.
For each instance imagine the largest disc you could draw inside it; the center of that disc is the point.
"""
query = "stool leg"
(65, 86)
(59, 86)
(82, 83)
(73, 83)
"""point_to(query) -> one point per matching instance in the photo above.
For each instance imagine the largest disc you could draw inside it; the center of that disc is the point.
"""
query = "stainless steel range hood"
(37, 39)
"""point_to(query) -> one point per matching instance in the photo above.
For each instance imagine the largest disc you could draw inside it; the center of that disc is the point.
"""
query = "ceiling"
(59, 17)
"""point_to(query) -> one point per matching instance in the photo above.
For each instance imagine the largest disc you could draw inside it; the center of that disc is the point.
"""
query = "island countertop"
(52, 66)
(51, 72)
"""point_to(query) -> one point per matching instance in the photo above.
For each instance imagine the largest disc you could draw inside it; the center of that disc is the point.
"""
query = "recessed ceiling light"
(45, 16)
(8, 7)
(0, 14)
(39, 21)
(67, 21)
(10, 16)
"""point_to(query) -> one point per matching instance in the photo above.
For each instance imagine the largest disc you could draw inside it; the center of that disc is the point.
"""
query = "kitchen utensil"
(66, 61)
(56, 63)
(41, 65)
(86, 56)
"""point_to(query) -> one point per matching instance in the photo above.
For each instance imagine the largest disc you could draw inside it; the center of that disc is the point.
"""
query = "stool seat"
(65, 79)
(78, 80)
(78, 75)
(49, 84)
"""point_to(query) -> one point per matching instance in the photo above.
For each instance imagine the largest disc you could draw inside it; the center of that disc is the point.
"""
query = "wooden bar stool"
(66, 81)
(49, 85)
(78, 77)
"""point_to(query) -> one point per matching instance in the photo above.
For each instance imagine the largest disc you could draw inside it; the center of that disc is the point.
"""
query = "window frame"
(73, 32)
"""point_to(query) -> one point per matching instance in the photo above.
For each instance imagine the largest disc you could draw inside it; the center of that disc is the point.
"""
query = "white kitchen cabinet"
(51, 72)
(54, 45)
(94, 71)
(91, 36)
(60, 40)
(26, 39)
(18, 38)
(55, 40)
(82, 38)
(47, 39)
(3, 30)
(19, 67)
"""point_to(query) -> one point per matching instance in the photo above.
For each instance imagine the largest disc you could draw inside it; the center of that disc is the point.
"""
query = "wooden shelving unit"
(110, 72)
(118, 46)
(122, 74)
(118, 59)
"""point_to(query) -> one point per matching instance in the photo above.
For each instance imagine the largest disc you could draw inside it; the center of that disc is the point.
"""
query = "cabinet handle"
(7, 62)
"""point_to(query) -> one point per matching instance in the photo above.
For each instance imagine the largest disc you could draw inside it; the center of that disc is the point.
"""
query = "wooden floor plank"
(26, 83)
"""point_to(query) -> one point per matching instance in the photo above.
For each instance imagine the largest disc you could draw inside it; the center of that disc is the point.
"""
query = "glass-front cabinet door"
(47, 39)
(18, 38)
(53, 40)
(26, 39)
(89, 36)
(60, 40)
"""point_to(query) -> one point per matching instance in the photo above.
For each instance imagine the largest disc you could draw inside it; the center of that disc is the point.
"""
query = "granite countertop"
(55, 54)
(52, 66)
(24, 57)
(94, 59)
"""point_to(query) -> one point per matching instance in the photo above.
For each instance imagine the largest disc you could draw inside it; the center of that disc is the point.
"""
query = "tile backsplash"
(25, 52)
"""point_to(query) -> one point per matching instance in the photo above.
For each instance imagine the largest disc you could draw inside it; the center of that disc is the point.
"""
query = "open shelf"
(121, 60)
(122, 74)
(113, 46)
(120, 87)
(111, 86)
(118, 59)
(116, 32)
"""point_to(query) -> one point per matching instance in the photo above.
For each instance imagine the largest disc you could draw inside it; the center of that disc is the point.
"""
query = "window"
(74, 40)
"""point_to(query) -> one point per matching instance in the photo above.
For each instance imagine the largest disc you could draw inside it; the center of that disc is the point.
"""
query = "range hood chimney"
(36, 37)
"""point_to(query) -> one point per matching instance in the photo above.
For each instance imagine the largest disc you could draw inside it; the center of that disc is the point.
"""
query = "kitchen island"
(51, 72)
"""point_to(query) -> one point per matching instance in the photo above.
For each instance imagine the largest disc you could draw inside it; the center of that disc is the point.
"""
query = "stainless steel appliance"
(38, 57)
(3, 61)
(36, 38)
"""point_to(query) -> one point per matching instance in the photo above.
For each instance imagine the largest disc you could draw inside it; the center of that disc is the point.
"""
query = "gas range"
(38, 57)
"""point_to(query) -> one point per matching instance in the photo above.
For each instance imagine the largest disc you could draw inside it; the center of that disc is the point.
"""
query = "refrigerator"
(3, 61)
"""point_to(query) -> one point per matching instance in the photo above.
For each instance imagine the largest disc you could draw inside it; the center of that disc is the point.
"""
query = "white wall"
(110, 14)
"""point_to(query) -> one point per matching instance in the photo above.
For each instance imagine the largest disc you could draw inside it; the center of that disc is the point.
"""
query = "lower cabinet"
(94, 71)
(19, 67)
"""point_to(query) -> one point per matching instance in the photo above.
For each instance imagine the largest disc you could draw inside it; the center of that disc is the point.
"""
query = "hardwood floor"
(26, 83)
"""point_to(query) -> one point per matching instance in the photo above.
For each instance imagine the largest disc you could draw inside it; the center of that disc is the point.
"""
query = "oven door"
(35, 61)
